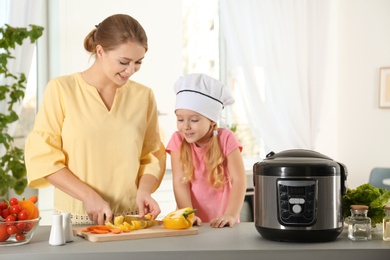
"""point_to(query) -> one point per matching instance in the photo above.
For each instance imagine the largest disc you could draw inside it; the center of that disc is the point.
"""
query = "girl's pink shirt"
(210, 203)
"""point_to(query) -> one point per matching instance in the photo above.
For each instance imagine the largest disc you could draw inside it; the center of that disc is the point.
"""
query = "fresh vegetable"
(366, 194)
(4, 235)
(180, 219)
(14, 213)
(127, 223)
(30, 207)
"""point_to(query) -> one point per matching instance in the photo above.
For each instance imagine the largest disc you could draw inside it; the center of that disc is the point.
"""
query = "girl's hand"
(222, 221)
(197, 221)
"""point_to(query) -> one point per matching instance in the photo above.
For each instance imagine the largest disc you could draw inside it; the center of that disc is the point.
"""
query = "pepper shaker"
(67, 226)
(57, 236)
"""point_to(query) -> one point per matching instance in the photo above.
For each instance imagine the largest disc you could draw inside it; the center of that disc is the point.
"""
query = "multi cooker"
(298, 196)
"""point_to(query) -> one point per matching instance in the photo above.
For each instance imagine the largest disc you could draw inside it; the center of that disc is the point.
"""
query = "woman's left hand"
(222, 221)
(147, 205)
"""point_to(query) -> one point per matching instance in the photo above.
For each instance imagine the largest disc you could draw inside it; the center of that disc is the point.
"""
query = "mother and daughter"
(96, 138)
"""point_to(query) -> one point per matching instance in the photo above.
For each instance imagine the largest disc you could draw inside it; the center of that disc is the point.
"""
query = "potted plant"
(12, 91)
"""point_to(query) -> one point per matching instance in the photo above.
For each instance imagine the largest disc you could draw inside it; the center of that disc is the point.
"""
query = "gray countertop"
(241, 242)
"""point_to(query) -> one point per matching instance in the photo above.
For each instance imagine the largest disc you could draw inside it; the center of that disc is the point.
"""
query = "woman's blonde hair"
(114, 31)
(213, 159)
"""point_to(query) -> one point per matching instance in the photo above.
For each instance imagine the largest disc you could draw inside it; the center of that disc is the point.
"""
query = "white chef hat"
(202, 94)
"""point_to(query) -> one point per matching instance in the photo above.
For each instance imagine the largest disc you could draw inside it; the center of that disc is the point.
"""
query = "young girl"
(207, 167)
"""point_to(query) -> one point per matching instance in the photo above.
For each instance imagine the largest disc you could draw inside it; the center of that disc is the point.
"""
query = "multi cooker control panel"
(297, 202)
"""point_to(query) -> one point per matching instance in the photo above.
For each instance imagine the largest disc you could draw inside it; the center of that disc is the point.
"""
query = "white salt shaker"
(57, 236)
(67, 226)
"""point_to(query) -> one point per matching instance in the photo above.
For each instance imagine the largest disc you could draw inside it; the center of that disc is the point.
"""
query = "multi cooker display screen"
(296, 190)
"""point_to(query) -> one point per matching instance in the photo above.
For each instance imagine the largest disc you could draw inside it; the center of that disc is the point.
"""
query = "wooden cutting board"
(152, 232)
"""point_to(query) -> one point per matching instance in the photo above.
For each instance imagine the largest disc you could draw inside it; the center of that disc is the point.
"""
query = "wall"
(364, 47)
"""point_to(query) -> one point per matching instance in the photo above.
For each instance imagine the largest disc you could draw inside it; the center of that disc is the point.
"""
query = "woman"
(96, 136)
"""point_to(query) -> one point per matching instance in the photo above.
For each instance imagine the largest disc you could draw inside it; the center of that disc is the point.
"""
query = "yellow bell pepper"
(179, 219)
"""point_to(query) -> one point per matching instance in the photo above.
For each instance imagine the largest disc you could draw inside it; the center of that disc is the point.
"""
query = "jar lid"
(359, 207)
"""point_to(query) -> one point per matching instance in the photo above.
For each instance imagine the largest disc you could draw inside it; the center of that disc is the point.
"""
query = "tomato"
(15, 209)
(13, 201)
(20, 237)
(3, 233)
(5, 213)
(28, 227)
(21, 225)
(11, 230)
(23, 214)
(10, 218)
(3, 205)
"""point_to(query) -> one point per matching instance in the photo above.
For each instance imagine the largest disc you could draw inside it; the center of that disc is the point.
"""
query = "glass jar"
(386, 224)
(359, 227)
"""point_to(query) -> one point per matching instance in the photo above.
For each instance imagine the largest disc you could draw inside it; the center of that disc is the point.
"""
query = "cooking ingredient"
(127, 223)
(3, 233)
(366, 194)
(13, 201)
(15, 210)
(30, 206)
(180, 219)
(33, 199)
(20, 237)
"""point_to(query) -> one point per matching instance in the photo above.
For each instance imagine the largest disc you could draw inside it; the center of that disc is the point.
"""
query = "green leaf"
(366, 194)
(12, 170)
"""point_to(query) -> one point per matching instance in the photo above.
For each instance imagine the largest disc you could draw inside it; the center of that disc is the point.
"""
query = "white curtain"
(21, 13)
(277, 59)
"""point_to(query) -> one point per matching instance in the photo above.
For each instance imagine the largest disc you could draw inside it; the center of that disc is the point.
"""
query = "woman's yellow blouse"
(107, 149)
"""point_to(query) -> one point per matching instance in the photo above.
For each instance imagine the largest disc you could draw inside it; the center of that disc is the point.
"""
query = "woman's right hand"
(98, 210)
(95, 206)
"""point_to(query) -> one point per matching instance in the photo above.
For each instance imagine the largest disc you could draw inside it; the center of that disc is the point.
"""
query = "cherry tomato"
(23, 214)
(10, 218)
(15, 209)
(5, 213)
(3, 205)
(28, 226)
(13, 201)
(11, 230)
(20, 237)
(3, 233)
(21, 225)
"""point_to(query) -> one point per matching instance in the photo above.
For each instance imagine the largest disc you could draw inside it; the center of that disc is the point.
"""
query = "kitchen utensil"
(298, 196)
(28, 229)
(152, 232)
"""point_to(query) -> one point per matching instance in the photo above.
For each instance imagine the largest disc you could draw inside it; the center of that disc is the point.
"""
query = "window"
(27, 114)
(28, 110)
(203, 52)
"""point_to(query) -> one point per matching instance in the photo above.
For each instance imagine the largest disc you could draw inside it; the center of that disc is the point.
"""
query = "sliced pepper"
(180, 219)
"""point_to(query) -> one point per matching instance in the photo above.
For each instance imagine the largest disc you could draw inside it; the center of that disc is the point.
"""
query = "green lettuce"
(366, 194)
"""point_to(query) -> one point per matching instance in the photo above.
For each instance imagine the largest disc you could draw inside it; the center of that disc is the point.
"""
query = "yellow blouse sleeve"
(43, 153)
(153, 158)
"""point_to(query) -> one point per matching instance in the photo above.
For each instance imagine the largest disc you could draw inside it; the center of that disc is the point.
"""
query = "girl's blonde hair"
(213, 159)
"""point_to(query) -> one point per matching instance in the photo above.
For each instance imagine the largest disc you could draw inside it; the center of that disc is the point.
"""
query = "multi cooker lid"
(297, 162)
